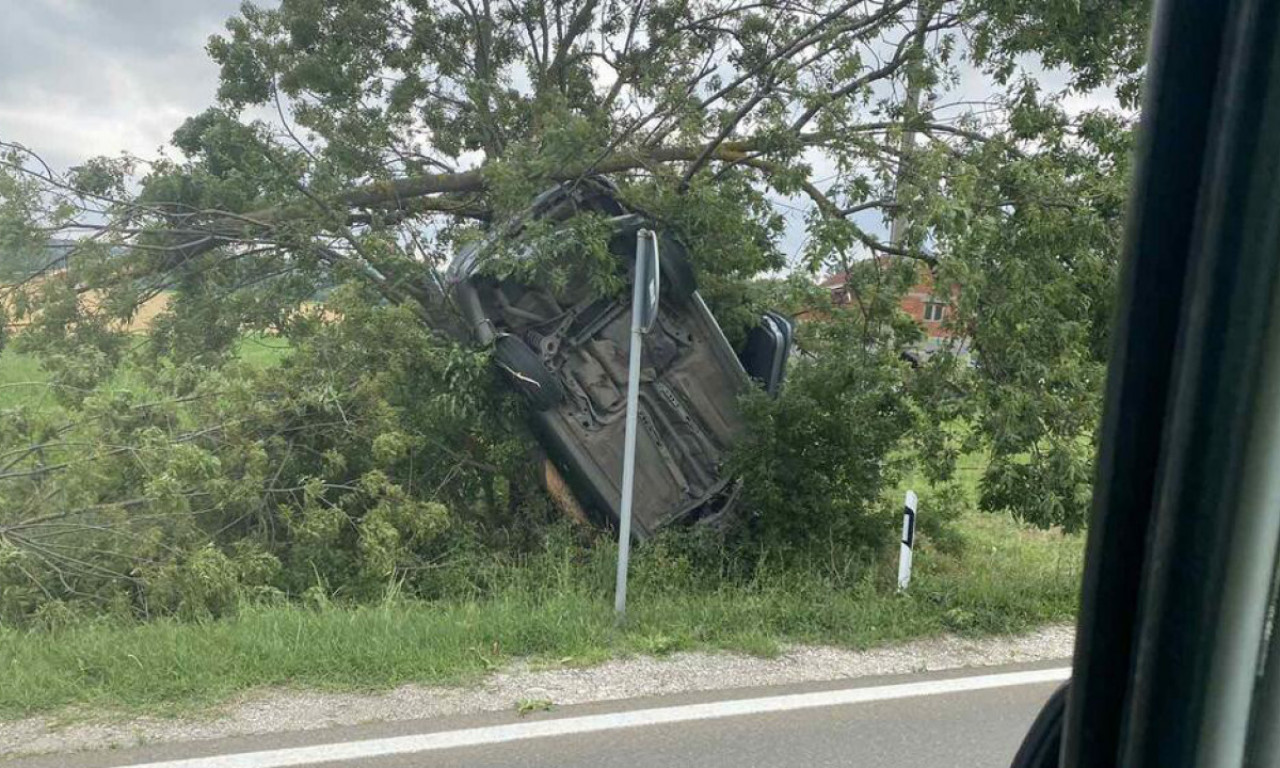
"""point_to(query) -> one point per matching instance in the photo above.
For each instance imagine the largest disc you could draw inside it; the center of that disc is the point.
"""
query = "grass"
(529, 706)
(555, 611)
(24, 382)
(261, 350)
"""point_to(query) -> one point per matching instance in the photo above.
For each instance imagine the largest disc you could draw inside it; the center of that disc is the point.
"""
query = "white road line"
(471, 737)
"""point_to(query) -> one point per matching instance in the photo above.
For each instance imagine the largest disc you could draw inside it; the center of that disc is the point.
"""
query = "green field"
(261, 350)
(24, 382)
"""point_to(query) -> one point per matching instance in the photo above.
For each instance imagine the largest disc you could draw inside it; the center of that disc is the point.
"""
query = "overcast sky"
(80, 78)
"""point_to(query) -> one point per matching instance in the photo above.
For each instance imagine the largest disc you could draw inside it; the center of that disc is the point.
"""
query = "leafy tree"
(357, 143)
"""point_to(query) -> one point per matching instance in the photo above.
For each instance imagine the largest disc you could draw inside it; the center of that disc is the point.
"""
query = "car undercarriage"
(566, 351)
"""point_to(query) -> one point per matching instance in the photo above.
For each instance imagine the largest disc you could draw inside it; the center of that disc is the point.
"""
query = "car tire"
(527, 373)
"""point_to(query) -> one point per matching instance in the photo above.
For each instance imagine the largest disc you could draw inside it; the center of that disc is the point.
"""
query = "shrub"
(358, 461)
(815, 461)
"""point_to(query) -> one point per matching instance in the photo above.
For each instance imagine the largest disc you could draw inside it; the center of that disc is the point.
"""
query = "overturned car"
(566, 351)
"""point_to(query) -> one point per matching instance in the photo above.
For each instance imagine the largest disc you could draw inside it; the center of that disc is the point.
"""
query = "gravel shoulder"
(276, 711)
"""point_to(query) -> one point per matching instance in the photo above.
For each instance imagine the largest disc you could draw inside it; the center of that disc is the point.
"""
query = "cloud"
(84, 78)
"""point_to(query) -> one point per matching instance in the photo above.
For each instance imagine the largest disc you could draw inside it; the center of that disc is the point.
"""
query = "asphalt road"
(967, 718)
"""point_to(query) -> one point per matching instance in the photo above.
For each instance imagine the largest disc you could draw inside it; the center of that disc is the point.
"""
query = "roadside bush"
(369, 454)
(941, 508)
(816, 461)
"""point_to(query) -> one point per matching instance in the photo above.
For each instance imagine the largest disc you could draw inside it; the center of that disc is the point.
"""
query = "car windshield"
(574, 381)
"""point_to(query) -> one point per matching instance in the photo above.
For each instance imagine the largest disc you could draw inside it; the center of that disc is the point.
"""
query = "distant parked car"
(567, 354)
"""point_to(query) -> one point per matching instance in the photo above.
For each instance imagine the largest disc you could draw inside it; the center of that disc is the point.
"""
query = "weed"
(529, 706)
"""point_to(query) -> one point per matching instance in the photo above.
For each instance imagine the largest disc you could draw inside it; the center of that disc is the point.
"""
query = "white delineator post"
(643, 311)
(908, 540)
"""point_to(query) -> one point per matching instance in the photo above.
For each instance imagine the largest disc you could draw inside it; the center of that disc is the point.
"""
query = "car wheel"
(526, 371)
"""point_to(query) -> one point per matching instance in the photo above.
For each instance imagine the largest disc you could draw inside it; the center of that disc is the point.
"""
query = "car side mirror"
(766, 352)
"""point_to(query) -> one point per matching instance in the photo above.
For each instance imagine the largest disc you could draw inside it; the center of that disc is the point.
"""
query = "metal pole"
(908, 541)
(638, 295)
